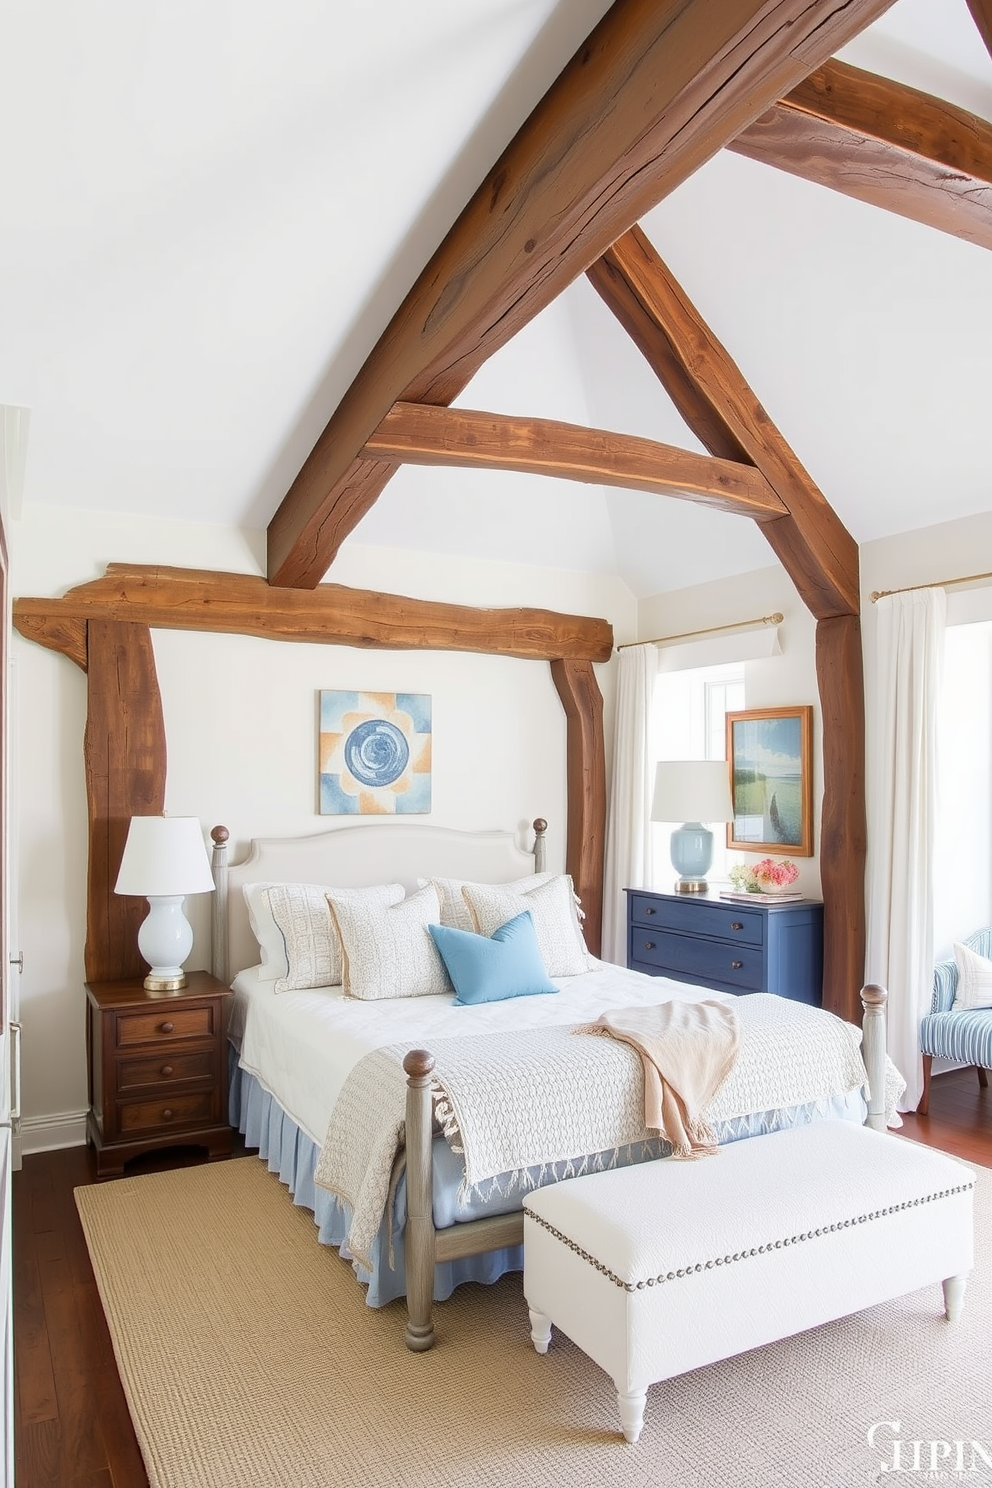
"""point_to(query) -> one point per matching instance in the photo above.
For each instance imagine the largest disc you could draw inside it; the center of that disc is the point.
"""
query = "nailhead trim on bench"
(740, 1255)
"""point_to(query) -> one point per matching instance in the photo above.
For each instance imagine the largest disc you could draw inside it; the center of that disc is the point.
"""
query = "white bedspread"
(523, 1100)
(301, 1046)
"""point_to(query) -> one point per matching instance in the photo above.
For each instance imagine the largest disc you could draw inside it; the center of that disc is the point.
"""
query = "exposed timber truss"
(656, 89)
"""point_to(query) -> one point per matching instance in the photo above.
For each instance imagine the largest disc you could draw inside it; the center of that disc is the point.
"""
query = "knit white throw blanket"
(522, 1100)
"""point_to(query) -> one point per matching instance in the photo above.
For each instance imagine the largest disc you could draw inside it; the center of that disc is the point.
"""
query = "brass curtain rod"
(689, 635)
(877, 594)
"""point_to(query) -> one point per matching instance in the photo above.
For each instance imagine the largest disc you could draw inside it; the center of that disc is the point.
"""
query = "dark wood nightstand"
(157, 1068)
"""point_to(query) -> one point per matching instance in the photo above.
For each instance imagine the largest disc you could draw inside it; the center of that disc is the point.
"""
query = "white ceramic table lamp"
(164, 860)
(692, 792)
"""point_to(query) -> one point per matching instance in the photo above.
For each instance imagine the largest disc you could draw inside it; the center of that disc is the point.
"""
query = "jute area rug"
(249, 1358)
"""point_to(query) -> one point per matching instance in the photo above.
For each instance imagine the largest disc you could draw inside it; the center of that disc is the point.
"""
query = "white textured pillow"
(388, 949)
(553, 909)
(456, 914)
(311, 950)
(974, 988)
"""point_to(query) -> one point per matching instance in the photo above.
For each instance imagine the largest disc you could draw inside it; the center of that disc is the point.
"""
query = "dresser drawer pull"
(166, 1070)
(649, 910)
(649, 945)
(166, 1027)
(167, 1115)
(737, 924)
(736, 965)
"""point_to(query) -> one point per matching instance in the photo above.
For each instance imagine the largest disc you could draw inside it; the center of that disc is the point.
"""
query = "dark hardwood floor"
(71, 1423)
(72, 1428)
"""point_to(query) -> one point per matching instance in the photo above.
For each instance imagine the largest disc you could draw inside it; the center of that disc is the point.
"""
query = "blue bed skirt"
(292, 1156)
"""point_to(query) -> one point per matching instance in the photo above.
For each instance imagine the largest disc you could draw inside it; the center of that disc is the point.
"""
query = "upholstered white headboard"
(354, 857)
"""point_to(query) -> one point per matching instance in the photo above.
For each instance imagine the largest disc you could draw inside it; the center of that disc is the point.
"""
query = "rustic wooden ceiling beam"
(811, 542)
(883, 143)
(240, 604)
(55, 631)
(981, 12)
(425, 434)
(656, 89)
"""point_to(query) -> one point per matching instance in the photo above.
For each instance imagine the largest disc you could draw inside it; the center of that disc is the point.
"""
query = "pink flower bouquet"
(765, 877)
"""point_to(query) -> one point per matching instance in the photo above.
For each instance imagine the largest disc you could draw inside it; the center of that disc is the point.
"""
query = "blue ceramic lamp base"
(692, 854)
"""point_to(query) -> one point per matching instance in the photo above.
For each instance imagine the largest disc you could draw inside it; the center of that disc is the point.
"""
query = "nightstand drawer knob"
(736, 965)
(166, 1070)
(166, 1027)
(737, 924)
(649, 945)
(167, 1115)
(649, 911)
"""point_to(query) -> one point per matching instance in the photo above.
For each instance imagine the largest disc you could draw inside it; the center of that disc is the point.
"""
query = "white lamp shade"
(164, 855)
(692, 790)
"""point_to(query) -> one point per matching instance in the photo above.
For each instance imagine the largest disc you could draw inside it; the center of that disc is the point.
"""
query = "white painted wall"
(240, 717)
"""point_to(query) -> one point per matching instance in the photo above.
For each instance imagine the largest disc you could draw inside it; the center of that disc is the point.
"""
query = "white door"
(6, 1277)
(13, 439)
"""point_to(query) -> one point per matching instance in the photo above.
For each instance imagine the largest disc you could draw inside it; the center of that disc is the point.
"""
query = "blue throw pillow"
(491, 969)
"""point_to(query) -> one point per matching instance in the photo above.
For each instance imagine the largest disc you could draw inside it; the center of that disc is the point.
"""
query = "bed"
(316, 1073)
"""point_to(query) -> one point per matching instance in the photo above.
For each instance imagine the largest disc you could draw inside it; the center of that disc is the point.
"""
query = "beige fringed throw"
(687, 1050)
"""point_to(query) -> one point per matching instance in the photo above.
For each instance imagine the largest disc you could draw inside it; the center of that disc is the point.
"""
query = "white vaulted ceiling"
(210, 210)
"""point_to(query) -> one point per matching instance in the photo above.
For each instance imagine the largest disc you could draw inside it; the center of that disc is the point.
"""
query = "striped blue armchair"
(965, 1037)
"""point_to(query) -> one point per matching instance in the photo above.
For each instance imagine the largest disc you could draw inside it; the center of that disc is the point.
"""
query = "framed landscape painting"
(769, 753)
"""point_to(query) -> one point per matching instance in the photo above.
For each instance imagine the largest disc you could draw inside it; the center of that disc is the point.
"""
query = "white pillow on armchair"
(974, 989)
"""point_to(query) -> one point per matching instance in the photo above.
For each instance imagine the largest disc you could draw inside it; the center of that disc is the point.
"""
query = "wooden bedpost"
(873, 999)
(419, 1233)
(218, 924)
(540, 845)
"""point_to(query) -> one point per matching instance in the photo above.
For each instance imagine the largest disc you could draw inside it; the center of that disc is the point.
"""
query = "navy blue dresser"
(714, 942)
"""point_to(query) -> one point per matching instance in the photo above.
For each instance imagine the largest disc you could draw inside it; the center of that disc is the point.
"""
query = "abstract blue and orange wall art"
(374, 751)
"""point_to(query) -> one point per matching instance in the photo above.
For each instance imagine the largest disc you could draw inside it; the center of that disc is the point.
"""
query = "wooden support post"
(124, 755)
(586, 766)
(843, 832)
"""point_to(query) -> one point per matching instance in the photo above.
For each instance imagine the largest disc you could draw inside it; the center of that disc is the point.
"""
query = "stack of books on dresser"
(789, 897)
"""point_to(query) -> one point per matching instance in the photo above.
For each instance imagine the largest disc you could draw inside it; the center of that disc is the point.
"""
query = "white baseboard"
(47, 1133)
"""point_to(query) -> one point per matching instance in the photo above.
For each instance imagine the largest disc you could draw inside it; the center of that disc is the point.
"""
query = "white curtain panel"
(902, 697)
(629, 856)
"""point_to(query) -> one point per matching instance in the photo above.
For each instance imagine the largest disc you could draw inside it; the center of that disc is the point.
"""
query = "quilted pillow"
(388, 950)
(310, 951)
(974, 988)
(556, 925)
(456, 913)
(493, 968)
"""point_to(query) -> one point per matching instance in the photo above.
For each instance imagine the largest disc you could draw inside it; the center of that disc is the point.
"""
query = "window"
(962, 860)
(689, 722)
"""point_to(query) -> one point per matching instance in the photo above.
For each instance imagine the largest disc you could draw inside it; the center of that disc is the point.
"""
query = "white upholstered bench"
(659, 1268)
